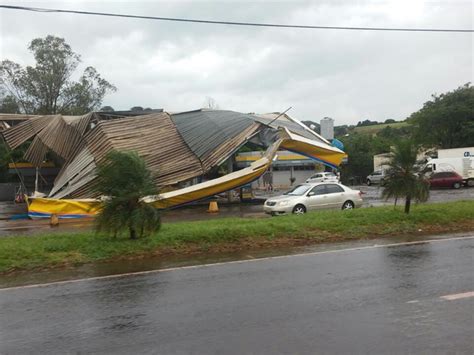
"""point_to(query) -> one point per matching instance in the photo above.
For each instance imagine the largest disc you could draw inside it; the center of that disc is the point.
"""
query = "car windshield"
(298, 190)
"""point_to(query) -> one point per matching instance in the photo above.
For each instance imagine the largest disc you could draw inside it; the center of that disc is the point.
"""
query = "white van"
(323, 177)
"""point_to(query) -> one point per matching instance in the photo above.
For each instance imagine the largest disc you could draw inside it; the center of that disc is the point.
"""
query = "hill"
(373, 129)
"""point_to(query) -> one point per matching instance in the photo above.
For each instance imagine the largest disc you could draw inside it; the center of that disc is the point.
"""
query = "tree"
(136, 109)
(4, 160)
(341, 130)
(366, 123)
(404, 178)
(47, 88)
(387, 132)
(8, 156)
(361, 149)
(107, 109)
(8, 104)
(124, 179)
(390, 120)
(447, 121)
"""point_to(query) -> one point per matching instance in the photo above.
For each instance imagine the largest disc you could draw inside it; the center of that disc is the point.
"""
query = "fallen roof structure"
(64, 208)
(175, 147)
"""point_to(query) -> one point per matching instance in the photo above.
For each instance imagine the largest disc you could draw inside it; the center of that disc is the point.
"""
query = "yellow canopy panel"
(322, 152)
(45, 207)
(211, 187)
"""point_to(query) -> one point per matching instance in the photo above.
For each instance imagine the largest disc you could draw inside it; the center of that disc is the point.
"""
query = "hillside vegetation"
(374, 129)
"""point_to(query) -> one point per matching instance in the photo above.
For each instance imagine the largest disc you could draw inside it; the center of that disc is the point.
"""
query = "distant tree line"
(446, 121)
(133, 109)
(372, 123)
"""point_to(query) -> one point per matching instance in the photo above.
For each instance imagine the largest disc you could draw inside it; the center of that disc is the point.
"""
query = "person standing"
(270, 180)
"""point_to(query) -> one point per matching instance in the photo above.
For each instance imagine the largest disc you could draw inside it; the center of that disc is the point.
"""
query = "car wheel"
(299, 209)
(369, 182)
(348, 205)
(457, 185)
(470, 182)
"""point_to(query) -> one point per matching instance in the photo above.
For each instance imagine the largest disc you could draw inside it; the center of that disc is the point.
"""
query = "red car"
(446, 179)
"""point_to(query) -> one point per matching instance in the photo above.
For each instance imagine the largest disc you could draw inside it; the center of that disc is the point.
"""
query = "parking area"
(371, 196)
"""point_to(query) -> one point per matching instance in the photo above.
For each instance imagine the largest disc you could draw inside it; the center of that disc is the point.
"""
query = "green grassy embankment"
(378, 127)
(56, 250)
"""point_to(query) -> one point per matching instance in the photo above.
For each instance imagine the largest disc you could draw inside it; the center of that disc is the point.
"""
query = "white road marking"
(458, 296)
(138, 273)
(414, 301)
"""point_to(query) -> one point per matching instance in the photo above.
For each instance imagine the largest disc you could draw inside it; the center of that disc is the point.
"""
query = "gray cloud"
(342, 74)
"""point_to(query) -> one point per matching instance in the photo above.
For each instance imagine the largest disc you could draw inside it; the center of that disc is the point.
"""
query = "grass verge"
(55, 250)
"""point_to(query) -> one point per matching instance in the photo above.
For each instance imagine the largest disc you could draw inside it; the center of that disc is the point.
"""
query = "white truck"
(460, 160)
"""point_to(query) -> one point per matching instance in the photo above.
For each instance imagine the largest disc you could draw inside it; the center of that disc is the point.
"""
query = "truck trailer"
(460, 160)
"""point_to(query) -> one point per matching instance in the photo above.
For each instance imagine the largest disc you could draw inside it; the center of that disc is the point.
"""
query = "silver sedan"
(316, 196)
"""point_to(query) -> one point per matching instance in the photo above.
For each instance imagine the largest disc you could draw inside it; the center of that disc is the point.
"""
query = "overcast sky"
(346, 75)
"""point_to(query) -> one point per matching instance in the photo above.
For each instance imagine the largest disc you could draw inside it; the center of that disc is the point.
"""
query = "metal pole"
(230, 168)
(36, 180)
(281, 114)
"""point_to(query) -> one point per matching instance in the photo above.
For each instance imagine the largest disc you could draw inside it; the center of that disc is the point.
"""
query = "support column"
(230, 169)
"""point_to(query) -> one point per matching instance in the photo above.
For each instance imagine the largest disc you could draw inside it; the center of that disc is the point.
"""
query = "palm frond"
(124, 179)
(403, 175)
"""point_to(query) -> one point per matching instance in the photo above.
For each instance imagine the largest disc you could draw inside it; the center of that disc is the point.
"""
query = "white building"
(327, 128)
(287, 166)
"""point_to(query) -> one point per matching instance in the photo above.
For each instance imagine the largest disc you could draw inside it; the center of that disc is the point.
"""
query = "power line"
(231, 23)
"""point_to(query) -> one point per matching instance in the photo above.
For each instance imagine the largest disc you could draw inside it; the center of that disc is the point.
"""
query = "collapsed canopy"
(175, 147)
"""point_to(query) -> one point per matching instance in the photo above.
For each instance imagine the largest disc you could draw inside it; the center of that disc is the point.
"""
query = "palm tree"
(404, 178)
(124, 180)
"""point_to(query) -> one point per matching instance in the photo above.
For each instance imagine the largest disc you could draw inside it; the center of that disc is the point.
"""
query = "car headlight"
(282, 203)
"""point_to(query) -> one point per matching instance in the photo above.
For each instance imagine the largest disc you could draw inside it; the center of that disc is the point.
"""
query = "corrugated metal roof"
(205, 130)
(17, 135)
(63, 135)
(3, 126)
(283, 121)
(154, 137)
(15, 117)
(175, 147)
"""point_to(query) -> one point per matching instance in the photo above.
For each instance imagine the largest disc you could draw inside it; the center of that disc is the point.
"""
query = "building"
(287, 169)
(381, 161)
(327, 128)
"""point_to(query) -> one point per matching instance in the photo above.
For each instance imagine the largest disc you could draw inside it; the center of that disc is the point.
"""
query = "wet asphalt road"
(372, 300)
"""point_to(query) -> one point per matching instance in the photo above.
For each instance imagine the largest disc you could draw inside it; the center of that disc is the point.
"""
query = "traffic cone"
(213, 207)
(54, 221)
